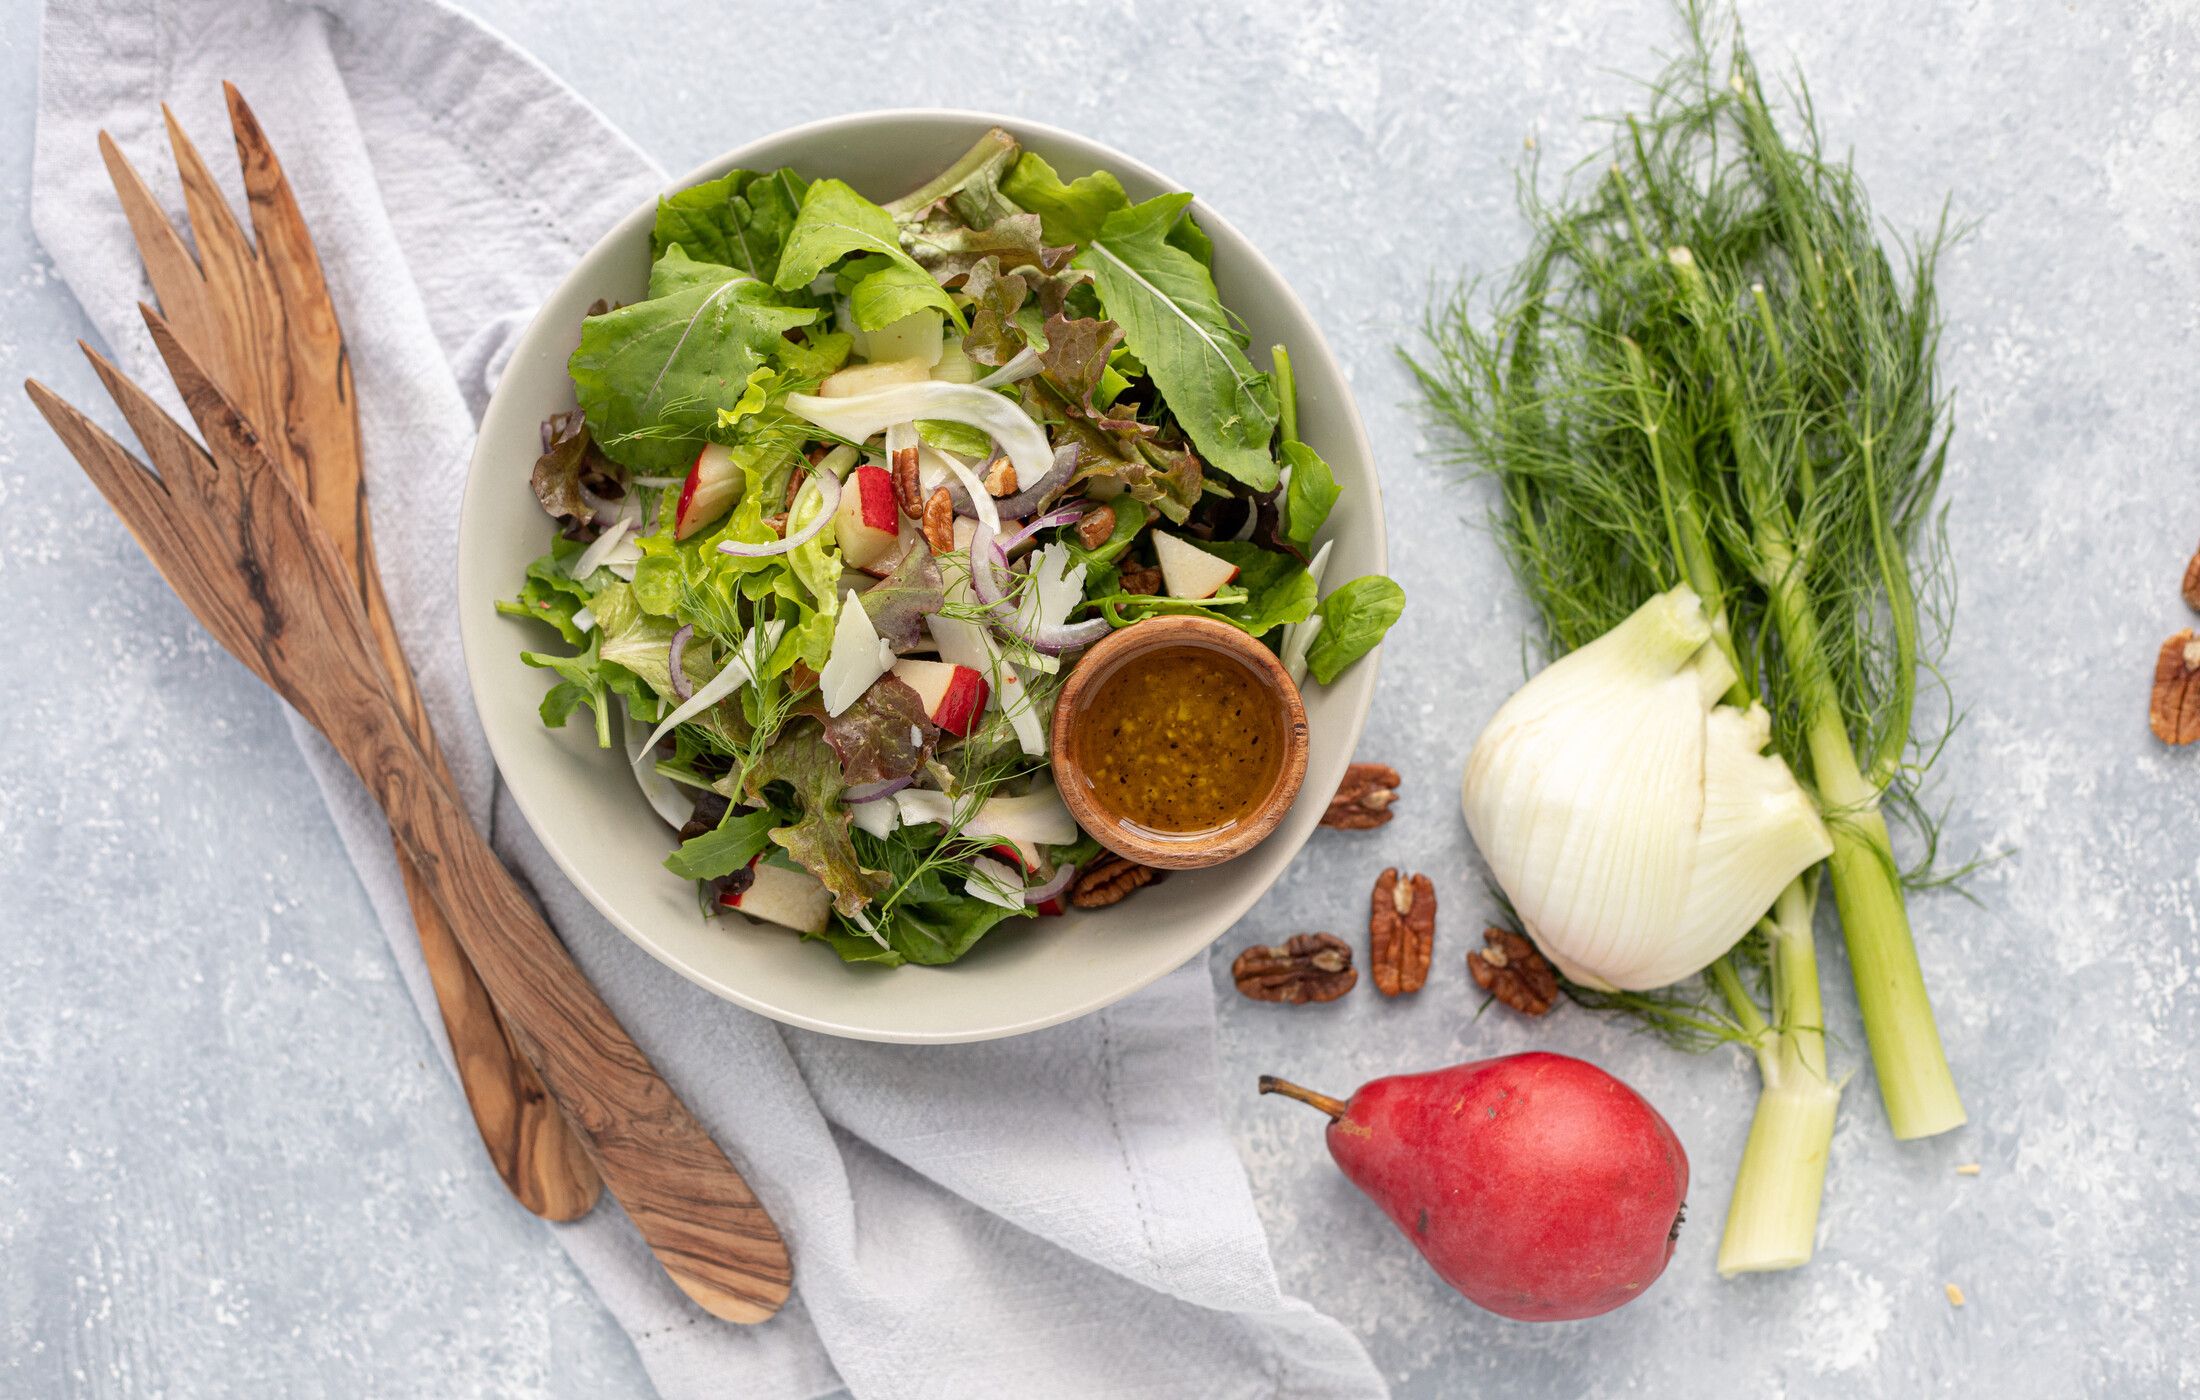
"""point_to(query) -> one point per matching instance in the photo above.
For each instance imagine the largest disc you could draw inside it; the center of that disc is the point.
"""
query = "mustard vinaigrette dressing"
(1182, 740)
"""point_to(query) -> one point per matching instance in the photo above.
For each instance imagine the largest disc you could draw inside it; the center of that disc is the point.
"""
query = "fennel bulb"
(1633, 819)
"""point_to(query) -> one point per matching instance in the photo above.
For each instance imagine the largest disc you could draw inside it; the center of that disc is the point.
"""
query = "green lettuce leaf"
(835, 222)
(1354, 618)
(950, 250)
(739, 839)
(1174, 322)
(1068, 213)
(739, 220)
(652, 376)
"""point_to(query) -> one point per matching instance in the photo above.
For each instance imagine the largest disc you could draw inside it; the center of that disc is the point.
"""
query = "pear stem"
(1269, 1084)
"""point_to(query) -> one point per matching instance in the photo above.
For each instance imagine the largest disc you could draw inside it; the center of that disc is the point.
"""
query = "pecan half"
(2174, 714)
(1142, 581)
(1001, 480)
(1110, 881)
(1401, 931)
(1305, 967)
(908, 487)
(939, 521)
(1097, 526)
(2192, 582)
(1363, 799)
(1511, 970)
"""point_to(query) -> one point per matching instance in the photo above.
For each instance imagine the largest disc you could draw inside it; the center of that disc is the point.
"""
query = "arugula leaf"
(1278, 587)
(739, 220)
(836, 221)
(931, 922)
(651, 376)
(890, 291)
(1068, 213)
(1313, 491)
(1174, 322)
(1354, 618)
(819, 841)
(550, 594)
(737, 840)
(587, 679)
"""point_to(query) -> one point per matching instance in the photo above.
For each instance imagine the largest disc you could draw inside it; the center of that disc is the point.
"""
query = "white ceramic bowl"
(603, 834)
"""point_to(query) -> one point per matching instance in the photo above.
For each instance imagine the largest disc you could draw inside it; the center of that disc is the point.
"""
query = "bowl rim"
(475, 633)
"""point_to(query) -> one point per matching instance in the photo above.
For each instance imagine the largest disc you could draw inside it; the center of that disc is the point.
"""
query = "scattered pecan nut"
(1511, 970)
(1097, 526)
(1110, 881)
(908, 486)
(1305, 967)
(2192, 582)
(2174, 714)
(939, 521)
(1001, 479)
(1146, 582)
(1401, 932)
(1363, 799)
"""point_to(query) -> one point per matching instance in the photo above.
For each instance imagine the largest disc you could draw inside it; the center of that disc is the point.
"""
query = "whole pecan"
(1401, 932)
(939, 521)
(908, 486)
(1146, 582)
(1111, 880)
(1305, 967)
(1097, 526)
(1511, 970)
(2174, 713)
(1363, 799)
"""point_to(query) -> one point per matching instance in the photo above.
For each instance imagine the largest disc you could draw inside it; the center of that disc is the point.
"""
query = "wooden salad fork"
(234, 535)
(260, 322)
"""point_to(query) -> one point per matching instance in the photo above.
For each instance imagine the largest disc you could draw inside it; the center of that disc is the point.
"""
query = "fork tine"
(276, 220)
(241, 305)
(177, 283)
(156, 520)
(179, 459)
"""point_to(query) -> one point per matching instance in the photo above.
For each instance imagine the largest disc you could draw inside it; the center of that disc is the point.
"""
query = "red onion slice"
(1066, 515)
(872, 792)
(1040, 894)
(985, 557)
(1039, 492)
(828, 489)
(676, 655)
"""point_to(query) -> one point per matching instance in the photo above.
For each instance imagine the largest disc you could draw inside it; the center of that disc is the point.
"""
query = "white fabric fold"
(1060, 1215)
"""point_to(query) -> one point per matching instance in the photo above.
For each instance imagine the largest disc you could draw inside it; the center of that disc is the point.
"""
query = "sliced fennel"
(738, 671)
(866, 415)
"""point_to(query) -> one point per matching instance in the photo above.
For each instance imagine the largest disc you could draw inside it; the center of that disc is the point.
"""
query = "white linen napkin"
(1059, 1215)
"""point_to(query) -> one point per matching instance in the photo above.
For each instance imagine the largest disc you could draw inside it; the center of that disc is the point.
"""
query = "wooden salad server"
(260, 322)
(236, 538)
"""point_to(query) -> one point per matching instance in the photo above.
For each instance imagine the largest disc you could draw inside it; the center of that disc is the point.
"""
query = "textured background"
(228, 1164)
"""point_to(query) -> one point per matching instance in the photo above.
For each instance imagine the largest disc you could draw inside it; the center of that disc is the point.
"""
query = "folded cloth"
(1060, 1215)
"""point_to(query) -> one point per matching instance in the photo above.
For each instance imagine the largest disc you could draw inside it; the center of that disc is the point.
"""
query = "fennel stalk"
(1709, 371)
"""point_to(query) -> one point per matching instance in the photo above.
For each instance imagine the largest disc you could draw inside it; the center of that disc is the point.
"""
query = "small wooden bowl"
(1129, 840)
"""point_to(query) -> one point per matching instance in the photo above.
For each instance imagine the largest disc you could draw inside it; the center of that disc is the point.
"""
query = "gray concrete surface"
(228, 1165)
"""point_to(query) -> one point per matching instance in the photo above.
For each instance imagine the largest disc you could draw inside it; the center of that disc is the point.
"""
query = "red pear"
(1539, 1186)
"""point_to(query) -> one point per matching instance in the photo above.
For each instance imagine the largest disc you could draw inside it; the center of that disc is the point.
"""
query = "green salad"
(849, 491)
